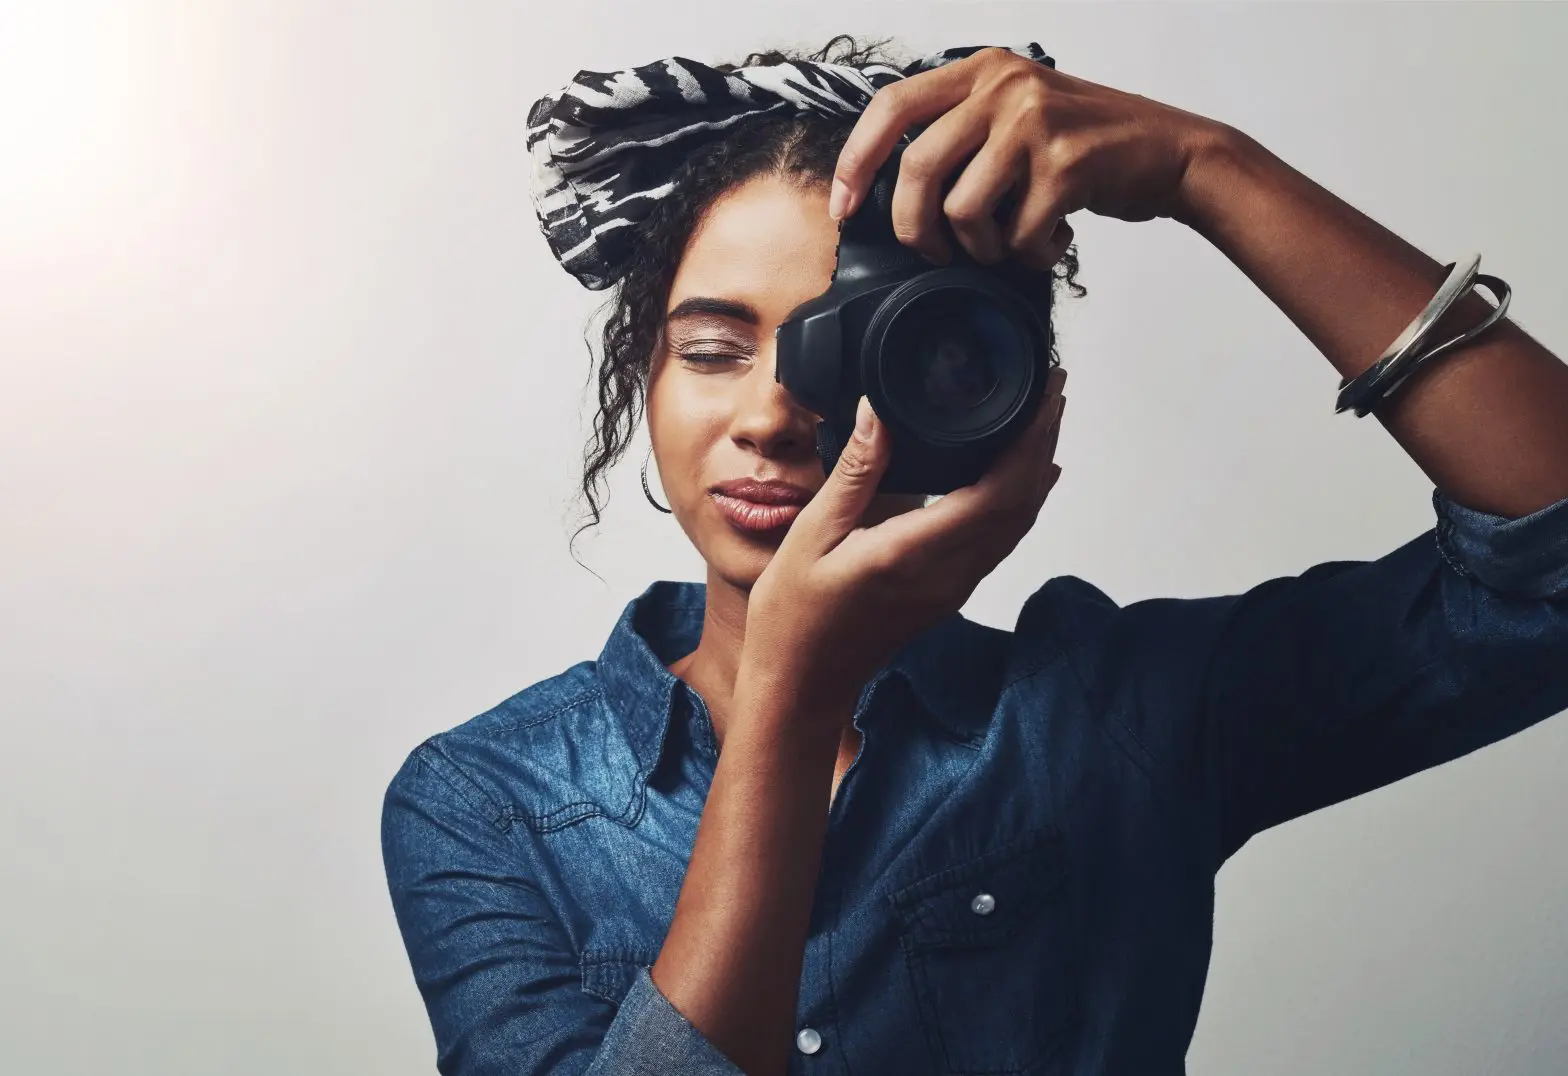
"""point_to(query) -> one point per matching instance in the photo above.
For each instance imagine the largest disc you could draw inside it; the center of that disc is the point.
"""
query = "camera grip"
(830, 445)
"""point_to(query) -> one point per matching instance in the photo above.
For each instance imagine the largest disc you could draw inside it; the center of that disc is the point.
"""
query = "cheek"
(687, 418)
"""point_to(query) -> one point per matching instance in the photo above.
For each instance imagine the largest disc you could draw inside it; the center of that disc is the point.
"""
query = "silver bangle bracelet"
(1500, 290)
(1404, 356)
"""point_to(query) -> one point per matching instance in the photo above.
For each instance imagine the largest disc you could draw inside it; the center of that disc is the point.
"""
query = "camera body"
(953, 358)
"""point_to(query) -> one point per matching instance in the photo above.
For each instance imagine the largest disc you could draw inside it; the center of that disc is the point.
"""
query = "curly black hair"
(803, 148)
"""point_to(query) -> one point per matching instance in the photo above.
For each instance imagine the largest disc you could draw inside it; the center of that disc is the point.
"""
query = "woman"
(805, 816)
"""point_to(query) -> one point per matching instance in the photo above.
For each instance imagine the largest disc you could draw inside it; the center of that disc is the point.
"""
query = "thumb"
(838, 506)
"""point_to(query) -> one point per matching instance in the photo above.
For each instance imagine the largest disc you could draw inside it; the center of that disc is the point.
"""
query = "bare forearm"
(731, 961)
(1487, 423)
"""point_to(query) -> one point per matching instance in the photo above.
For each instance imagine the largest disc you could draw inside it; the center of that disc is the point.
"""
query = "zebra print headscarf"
(603, 148)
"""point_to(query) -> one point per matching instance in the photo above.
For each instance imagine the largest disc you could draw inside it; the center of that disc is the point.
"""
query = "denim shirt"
(1018, 871)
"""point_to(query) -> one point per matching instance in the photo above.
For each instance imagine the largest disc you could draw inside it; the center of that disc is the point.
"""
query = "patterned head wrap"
(604, 148)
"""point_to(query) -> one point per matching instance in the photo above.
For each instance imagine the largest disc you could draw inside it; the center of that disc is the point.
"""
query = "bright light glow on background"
(66, 97)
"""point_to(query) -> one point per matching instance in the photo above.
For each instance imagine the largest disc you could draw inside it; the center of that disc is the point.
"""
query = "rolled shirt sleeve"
(650, 1037)
(500, 982)
(1526, 557)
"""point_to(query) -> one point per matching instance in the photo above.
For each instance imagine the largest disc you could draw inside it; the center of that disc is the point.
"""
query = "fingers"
(837, 508)
(975, 526)
(1061, 239)
(971, 205)
(999, 509)
(1021, 475)
(1038, 233)
(1056, 427)
(1034, 225)
(923, 195)
(893, 109)
(922, 174)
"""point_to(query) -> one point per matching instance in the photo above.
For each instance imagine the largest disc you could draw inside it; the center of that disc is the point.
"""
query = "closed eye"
(710, 358)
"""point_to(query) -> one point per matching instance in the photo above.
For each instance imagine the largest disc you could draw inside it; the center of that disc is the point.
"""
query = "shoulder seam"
(429, 756)
(1143, 758)
(539, 719)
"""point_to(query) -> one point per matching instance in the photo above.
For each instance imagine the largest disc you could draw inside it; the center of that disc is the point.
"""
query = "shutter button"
(983, 904)
(808, 1040)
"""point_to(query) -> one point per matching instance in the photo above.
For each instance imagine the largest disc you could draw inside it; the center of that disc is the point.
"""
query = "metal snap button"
(983, 904)
(808, 1040)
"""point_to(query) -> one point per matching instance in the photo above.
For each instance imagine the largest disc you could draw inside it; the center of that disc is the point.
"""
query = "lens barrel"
(953, 354)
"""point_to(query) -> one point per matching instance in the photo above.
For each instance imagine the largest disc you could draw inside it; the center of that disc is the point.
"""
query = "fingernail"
(864, 423)
(838, 201)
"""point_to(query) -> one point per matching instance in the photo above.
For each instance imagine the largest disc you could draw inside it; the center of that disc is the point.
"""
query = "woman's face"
(715, 412)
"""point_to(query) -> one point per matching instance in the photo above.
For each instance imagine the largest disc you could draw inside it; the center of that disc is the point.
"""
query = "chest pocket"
(609, 973)
(987, 947)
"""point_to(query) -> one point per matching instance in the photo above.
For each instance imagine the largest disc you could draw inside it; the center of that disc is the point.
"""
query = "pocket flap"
(984, 900)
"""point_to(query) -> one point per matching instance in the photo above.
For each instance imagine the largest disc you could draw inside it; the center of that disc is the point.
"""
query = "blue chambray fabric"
(1018, 873)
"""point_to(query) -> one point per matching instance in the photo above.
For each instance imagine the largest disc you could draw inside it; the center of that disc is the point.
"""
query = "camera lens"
(951, 369)
(955, 362)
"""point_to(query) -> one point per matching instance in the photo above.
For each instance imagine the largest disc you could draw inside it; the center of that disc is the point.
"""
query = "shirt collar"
(953, 668)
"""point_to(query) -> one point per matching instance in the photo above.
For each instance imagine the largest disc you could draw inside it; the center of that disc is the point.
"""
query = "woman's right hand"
(840, 599)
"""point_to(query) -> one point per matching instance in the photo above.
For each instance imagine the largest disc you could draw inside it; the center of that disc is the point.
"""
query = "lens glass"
(952, 366)
(955, 361)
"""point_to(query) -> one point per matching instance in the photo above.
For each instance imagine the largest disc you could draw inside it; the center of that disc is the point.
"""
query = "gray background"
(291, 413)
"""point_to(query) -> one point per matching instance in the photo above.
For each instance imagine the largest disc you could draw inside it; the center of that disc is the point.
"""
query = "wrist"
(1221, 161)
(773, 693)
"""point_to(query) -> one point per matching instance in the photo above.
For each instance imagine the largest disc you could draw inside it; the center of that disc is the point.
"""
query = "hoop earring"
(648, 493)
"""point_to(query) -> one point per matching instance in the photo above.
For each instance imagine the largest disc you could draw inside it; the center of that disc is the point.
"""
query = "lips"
(759, 507)
(769, 491)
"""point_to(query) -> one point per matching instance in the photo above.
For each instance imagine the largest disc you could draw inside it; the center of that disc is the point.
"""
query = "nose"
(767, 419)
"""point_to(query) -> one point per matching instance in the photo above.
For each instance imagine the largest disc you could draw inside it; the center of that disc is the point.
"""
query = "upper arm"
(1247, 710)
(1354, 674)
(499, 978)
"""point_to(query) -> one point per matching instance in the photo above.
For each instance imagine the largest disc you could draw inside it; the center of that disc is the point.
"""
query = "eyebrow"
(699, 305)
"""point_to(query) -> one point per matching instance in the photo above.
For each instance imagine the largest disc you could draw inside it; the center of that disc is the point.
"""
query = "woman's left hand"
(1072, 143)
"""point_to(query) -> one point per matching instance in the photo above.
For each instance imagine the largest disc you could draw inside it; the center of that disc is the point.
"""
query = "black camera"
(954, 358)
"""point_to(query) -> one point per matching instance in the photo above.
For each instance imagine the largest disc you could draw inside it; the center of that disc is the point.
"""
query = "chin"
(739, 560)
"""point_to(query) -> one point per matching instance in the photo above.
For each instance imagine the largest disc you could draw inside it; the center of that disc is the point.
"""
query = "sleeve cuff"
(650, 1037)
(1526, 557)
